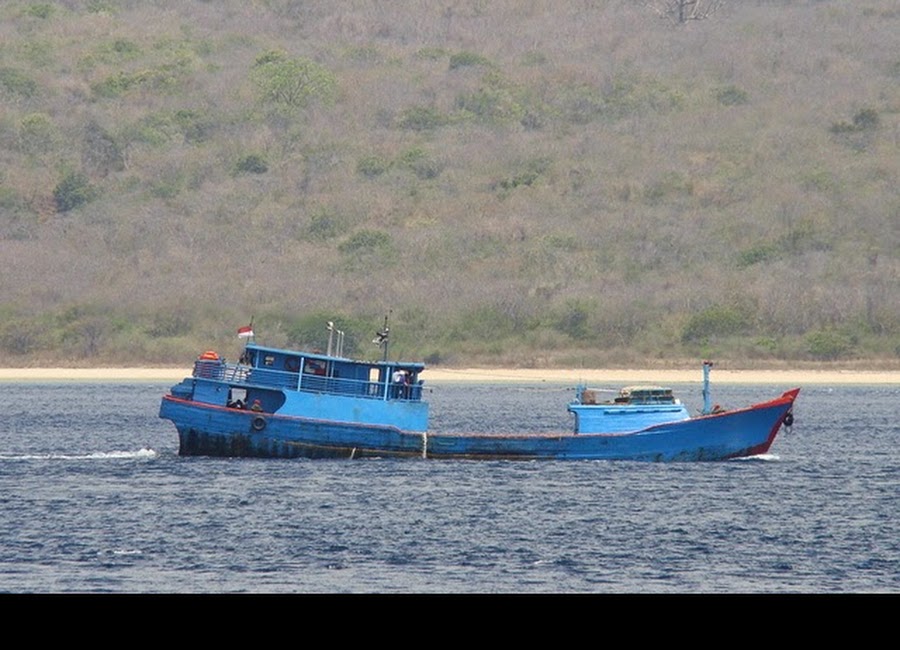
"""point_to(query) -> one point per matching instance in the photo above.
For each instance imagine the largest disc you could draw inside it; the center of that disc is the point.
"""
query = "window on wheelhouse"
(376, 384)
(237, 398)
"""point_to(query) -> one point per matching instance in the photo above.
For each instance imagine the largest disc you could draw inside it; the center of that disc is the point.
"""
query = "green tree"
(252, 164)
(37, 133)
(14, 82)
(718, 320)
(73, 191)
(292, 82)
(100, 152)
(829, 344)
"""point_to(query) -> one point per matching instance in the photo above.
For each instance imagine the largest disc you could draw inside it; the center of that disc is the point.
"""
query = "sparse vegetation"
(519, 183)
(466, 59)
(252, 163)
(864, 120)
(732, 96)
(73, 191)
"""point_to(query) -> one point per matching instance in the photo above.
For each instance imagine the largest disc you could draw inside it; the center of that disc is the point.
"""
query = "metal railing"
(241, 375)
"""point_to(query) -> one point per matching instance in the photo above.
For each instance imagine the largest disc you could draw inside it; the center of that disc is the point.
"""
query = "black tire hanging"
(258, 423)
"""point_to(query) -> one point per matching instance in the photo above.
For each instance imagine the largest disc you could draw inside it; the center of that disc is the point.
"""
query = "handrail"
(241, 375)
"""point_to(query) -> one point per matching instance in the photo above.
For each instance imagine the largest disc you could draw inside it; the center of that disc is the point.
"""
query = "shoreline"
(786, 378)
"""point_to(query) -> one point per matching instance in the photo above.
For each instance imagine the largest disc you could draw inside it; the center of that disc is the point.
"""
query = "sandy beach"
(597, 377)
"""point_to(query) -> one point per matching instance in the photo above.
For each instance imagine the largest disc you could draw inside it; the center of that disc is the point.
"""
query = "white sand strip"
(616, 377)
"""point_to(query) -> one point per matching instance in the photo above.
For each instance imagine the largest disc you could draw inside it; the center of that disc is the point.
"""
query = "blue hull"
(212, 430)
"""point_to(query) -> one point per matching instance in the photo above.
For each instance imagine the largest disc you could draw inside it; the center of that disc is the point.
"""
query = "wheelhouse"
(268, 367)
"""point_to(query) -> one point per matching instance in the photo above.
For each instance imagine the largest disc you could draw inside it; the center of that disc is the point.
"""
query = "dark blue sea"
(95, 499)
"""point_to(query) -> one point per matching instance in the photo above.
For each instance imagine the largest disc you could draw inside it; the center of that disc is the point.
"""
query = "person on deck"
(399, 380)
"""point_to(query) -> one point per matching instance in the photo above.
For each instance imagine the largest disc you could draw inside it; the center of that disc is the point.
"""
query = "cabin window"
(374, 384)
(269, 360)
(237, 398)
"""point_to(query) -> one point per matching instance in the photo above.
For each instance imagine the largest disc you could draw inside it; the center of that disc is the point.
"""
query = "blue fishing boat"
(280, 403)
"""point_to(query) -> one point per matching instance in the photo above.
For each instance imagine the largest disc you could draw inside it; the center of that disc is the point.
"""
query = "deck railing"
(241, 375)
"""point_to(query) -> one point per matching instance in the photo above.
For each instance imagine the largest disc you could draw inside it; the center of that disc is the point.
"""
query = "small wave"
(761, 458)
(145, 452)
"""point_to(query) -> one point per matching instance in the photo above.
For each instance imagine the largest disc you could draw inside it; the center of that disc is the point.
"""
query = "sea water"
(95, 499)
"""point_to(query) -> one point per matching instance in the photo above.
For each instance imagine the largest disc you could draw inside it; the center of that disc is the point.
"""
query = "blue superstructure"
(633, 408)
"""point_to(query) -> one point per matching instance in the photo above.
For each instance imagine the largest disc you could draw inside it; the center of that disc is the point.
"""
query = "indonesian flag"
(245, 332)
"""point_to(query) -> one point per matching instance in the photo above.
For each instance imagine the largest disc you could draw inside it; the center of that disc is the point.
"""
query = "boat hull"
(211, 430)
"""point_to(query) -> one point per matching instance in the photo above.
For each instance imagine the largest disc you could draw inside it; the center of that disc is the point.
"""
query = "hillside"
(515, 182)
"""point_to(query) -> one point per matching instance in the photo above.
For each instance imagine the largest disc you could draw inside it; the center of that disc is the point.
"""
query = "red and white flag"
(245, 332)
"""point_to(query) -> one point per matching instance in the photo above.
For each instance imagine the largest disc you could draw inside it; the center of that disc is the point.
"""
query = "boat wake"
(143, 453)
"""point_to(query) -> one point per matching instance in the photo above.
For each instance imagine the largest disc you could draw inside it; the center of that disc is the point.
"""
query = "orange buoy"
(209, 355)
